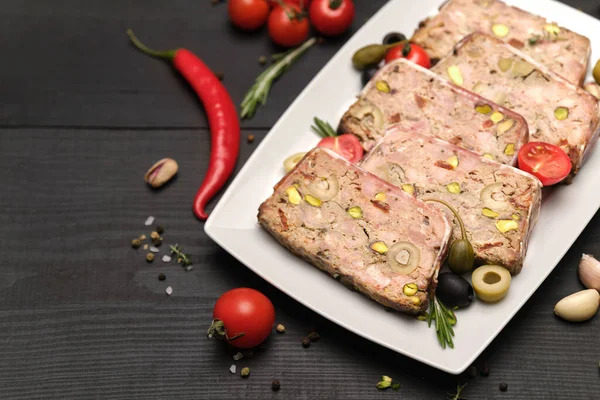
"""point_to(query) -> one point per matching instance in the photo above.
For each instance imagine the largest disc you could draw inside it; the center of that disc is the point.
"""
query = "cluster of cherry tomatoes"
(289, 21)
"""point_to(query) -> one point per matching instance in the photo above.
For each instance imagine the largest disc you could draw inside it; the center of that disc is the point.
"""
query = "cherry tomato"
(410, 51)
(346, 145)
(287, 26)
(246, 315)
(549, 163)
(331, 17)
(248, 14)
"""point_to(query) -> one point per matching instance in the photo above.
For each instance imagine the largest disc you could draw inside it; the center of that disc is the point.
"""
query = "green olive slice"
(290, 162)
(369, 114)
(491, 282)
(493, 197)
(403, 257)
(325, 188)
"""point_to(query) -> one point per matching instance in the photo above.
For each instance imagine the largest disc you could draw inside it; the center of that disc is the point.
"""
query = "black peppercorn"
(135, 243)
(149, 257)
(485, 371)
(160, 229)
(275, 385)
(503, 387)
(472, 372)
(306, 342)
(157, 242)
(313, 336)
(162, 277)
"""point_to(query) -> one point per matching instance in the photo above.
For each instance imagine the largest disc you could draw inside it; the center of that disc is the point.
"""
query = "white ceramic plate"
(566, 210)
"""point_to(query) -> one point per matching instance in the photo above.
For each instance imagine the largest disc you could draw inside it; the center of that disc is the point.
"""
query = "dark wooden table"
(83, 316)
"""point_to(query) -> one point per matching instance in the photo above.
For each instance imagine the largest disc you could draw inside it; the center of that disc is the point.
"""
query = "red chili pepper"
(222, 119)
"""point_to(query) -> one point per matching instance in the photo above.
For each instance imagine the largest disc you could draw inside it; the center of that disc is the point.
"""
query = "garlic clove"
(589, 272)
(579, 306)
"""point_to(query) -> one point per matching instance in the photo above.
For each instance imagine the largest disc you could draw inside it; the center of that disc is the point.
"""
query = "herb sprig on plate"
(258, 93)
(444, 320)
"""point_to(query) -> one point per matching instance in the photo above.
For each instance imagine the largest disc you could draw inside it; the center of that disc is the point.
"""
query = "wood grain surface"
(84, 316)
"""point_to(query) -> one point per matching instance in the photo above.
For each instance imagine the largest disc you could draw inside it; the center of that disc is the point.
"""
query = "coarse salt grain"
(154, 249)
(166, 258)
(232, 369)
(238, 356)
(149, 221)
(169, 290)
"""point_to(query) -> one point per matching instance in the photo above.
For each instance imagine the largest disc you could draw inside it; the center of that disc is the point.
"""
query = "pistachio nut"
(504, 64)
(453, 187)
(380, 196)
(500, 30)
(408, 188)
(379, 247)
(496, 117)
(161, 172)
(455, 75)
(488, 156)
(505, 225)
(410, 289)
(453, 161)
(504, 126)
(483, 108)
(561, 113)
(355, 212)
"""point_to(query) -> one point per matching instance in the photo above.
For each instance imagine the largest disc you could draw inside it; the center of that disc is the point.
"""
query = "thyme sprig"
(457, 396)
(258, 93)
(323, 128)
(444, 320)
(182, 258)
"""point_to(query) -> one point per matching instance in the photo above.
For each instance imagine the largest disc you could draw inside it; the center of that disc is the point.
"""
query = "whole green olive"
(596, 72)
(371, 55)
(461, 257)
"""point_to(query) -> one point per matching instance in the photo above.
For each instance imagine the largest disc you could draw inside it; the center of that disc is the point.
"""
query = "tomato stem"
(335, 4)
(217, 329)
(167, 54)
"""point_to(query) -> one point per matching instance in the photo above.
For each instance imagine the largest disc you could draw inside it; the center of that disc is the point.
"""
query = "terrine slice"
(556, 111)
(404, 91)
(561, 50)
(360, 229)
(498, 204)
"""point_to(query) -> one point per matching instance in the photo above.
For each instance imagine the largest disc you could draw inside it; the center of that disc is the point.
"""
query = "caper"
(462, 256)
(596, 72)
(372, 54)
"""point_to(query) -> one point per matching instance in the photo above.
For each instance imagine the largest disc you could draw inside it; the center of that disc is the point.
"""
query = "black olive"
(393, 37)
(454, 290)
(367, 74)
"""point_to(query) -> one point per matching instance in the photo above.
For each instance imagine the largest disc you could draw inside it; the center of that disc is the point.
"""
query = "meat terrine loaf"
(498, 204)
(371, 235)
(403, 91)
(556, 111)
(561, 50)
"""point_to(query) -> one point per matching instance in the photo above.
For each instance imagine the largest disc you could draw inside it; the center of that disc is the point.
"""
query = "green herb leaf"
(444, 320)
(323, 128)
(182, 258)
(457, 396)
(396, 386)
(258, 93)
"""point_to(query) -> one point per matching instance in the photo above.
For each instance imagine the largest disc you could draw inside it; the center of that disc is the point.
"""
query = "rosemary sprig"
(257, 95)
(182, 258)
(444, 320)
(457, 396)
(323, 128)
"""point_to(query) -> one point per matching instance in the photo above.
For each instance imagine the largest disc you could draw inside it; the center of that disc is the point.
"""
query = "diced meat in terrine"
(371, 235)
(498, 204)
(404, 91)
(561, 50)
(556, 111)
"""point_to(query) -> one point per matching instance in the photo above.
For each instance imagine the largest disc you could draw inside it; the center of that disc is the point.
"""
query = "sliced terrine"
(498, 204)
(561, 50)
(360, 229)
(404, 91)
(556, 111)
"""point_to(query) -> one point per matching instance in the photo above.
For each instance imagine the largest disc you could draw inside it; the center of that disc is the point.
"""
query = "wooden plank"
(71, 63)
(82, 315)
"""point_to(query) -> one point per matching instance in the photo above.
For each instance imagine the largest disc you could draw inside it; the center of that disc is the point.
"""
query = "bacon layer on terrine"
(498, 204)
(556, 111)
(371, 235)
(404, 91)
(561, 50)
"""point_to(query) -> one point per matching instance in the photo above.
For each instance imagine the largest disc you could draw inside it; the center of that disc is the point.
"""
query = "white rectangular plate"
(566, 210)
